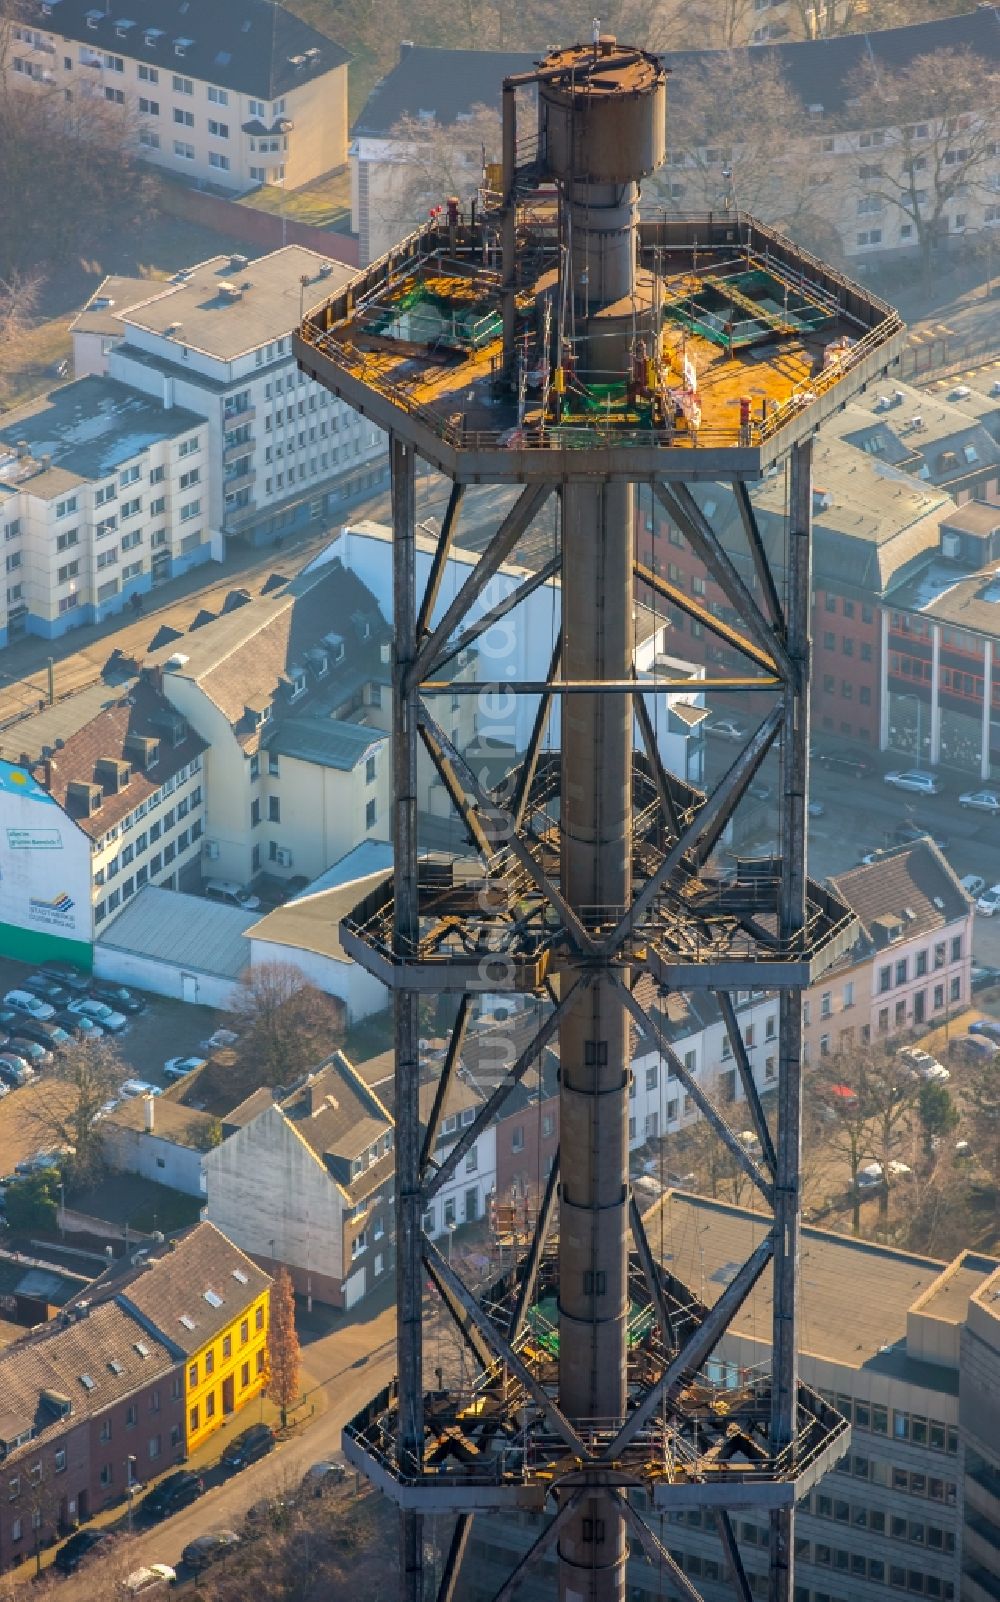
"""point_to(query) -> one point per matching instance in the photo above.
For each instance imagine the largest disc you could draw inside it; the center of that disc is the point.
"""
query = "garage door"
(354, 1288)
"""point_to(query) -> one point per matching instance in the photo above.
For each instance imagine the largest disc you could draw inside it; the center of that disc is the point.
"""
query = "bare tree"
(982, 1119)
(433, 161)
(741, 138)
(80, 1083)
(835, 1089)
(286, 1025)
(928, 141)
(283, 1354)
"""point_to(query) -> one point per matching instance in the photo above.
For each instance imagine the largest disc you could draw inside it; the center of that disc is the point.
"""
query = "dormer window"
(153, 37)
(298, 683)
(182, 46)
(93, 18)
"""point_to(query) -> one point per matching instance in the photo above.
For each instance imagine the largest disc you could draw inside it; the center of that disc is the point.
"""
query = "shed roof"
(184, 931)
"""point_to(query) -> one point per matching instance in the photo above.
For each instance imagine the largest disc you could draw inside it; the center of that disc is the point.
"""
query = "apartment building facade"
(911, 1509)
(234, 97)
(854, 169)
(102, 491)
(106, 795)
(216, 340)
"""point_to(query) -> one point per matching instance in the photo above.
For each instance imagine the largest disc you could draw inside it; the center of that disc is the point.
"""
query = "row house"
(235, 97)
(101, 793)
(92, 1402)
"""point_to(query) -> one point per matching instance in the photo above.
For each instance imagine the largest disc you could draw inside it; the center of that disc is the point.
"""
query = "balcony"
(232, 453)
(236, 517)
(231, 482)
(234, 419)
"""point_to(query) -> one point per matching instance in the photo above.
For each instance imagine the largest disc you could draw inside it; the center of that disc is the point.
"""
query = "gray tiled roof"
(93, 1361)
(169, 1292)
(447, 83)
(253, 46)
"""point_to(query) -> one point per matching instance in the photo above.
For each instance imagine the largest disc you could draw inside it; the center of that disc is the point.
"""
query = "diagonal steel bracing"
(717, 810)
(453, 1561)
(758, 555)
(654, 1283)
(502, 1348)
(521, 514)
(446, 773)
(747, 1080)
(702, 1101)
(548, 1028)
(496, 613)
(737, 1573)
(529, 1279)
(539, 1547)
(696, 1350)
(455, 1045)
(440, 562)
(656, 1551)
(708, 620)
(678, 502)
(529, 766)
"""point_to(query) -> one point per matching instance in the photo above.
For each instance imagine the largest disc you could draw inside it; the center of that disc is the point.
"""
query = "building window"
(194, 1419)
(209, 1363)
(956, 949)
(244, 1331)
(154, 1447)
(227, 1347)
(371, 813)
(259, 1318)
(182, 86)
(955, 989)
(59, 1460)
(245, 1376)
(885, 979)
(517, 1138)
(209, 1405)
(901, 968)
(274, 809)
(193, 1374)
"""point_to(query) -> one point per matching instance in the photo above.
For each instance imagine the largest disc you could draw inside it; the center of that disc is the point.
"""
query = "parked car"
(233, 894)
(870, 1176)
(23, 1001)
(14, 1071)
(29, 1049)
(973, 885)
(79, 1025)
(983, 976)
(79, 1546)
(989, 901)
(913, 779)
(66, 973)
(981, 801)
(989, 1027)
(46, 989)
(849, 762)
(208, 1548)
(726, 729)
(118, 997)
(322, 1476)
(269, 1510)
(219, 1041)
(150, 1581)
(248, 1446)
(113, 1022)
(923, 1064)
(180, 1067)
(972, 1049)
(178, 1490)
(50, 1035)
(138, 1087)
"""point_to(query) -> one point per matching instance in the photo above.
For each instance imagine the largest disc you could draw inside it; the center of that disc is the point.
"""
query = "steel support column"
(409, 1263)
(598, 555)
(792, 908)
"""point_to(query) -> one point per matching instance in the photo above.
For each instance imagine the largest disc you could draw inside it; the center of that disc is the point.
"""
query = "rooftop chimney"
(150, 1114)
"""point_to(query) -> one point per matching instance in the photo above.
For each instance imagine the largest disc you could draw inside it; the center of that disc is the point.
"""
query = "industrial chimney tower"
(546, 338)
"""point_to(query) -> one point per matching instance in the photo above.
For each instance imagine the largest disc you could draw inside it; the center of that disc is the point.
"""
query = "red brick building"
(78, 1400)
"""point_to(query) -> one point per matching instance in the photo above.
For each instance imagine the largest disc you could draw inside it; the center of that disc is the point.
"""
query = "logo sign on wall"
(44, 859)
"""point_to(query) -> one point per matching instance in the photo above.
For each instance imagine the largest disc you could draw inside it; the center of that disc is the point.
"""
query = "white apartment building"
(102, 490)
(236, 95)
(100, 794)
(216, 340)
(852, 169)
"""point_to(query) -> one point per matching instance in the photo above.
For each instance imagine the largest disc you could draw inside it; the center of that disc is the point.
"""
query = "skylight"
(187, 1321)
(212, 1298)
(141, 1348)
(238, 1273)
(87, 1382)
(115, 1366)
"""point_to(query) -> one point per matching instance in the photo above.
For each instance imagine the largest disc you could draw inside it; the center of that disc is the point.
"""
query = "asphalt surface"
(352, 1362)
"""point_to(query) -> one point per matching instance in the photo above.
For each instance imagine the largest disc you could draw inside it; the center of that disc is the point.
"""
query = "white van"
(234, 894)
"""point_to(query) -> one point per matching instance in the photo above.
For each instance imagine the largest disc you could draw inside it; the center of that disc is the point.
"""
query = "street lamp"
(452, 1226)
(130, 1485)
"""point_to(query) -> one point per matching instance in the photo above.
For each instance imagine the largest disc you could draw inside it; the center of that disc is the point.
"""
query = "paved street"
(350, 1363)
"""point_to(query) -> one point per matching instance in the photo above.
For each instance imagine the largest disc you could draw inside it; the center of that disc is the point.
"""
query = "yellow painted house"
(209, 1302)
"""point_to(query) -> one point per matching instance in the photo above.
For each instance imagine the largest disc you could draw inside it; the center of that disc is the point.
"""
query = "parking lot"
(165, 1029)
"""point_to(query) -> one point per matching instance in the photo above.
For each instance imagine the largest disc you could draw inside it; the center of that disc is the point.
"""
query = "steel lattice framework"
(592, 865)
